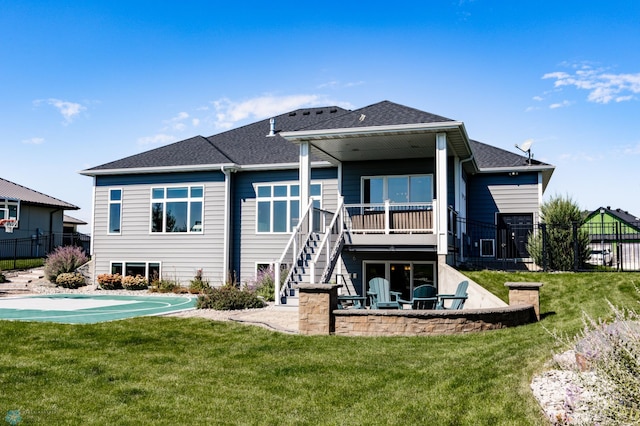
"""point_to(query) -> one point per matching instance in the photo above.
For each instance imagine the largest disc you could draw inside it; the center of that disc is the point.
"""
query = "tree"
(560, 235)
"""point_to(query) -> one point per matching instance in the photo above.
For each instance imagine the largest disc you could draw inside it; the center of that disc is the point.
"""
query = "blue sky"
(85, 83)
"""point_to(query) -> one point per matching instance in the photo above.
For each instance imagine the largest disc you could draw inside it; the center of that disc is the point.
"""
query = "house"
(35, 213)
(615, 238)
(321, 194)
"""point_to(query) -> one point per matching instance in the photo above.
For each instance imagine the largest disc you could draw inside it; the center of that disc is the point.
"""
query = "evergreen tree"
(559, 215)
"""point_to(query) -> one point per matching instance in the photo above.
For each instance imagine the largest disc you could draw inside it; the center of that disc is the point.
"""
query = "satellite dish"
(526, 148)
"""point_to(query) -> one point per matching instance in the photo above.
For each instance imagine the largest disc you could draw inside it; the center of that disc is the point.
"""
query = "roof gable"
(383, 113)
(489, 157)
(11, 190)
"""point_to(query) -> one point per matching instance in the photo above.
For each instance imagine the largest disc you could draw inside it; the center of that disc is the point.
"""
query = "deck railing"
(390, 218)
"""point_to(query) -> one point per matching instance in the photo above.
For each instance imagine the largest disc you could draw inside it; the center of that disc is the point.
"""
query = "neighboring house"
(70, 224)
(322, 194)
(37, 214)
(615, 238)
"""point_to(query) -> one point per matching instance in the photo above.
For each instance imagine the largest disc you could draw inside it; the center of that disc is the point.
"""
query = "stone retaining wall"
(355, 322)
(318, 314)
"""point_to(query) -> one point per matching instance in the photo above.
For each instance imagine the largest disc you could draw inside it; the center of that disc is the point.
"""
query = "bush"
(228, 297)
(129, 282)
(608, 371)
(264, 284)
(198, 284)
(164, 286)
(63, 259)
(3, 279)
(70, 280)
(110, 281)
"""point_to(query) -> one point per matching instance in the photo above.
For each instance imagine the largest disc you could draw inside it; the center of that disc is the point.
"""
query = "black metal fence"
(38, 247)
(610, 246)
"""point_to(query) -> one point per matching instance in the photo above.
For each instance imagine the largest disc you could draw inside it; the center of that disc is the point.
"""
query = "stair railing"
(326, 248)
(294, 248)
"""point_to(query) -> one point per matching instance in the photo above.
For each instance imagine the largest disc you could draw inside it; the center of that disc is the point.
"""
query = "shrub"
(228, 297)
(3, 279)
(138, 282)
(70, 280)
(198, 284)
(63, 259)
(110, 281)
(608, 366)
(264, 284)
(559, 215)
(164, 286)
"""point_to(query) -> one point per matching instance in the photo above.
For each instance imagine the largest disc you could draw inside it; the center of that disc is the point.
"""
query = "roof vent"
(332, 110)
(292, 114)
(306, 113)
(272, 127)
(319, 111)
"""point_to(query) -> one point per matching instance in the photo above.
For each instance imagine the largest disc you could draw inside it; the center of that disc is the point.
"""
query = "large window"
(150, 270)
(177, 209)
(402, 276)
(397, 189)
(279, 206)
(115, 210)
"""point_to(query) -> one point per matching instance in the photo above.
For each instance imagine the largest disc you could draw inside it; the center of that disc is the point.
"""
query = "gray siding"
(180, 254)
(250, 247)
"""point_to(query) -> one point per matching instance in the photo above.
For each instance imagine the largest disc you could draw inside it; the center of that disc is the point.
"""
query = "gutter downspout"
(227, 224)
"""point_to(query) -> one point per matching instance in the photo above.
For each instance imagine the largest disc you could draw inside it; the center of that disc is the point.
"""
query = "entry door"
(513, 234)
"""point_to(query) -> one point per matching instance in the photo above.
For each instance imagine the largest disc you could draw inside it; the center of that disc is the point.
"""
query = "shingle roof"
(383, 113)
(489, 157)
(250, 145)
(246, 145)
(14, 191)
(619, 213)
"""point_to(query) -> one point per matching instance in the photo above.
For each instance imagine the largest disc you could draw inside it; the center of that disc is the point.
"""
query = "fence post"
(15, 253)
(543, 228)
(576, 255)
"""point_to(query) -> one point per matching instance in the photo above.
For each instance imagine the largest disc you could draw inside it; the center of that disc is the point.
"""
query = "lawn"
(193, 371)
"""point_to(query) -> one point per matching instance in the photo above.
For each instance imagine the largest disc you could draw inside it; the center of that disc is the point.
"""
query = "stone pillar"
(525, 294)
(315, 310)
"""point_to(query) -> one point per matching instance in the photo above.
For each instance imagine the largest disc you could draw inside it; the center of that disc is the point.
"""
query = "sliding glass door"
(403, 277)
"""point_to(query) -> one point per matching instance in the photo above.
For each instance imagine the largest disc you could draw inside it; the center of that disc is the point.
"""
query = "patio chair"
(381, 296)
(424, 297)
(458, 298)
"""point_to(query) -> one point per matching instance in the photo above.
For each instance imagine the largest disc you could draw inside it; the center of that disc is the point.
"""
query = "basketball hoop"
(8, 224)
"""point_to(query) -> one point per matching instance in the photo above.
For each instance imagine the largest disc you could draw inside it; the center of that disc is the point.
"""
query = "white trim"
(493, 247)
(109, 203)
(288, 198)
(385, 188)
(441, 213)
(188, 199)
(93, 218)
(146, 267)
(372, 130)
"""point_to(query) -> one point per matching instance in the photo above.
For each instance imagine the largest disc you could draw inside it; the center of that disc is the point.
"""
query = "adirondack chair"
(381, 296)
(458, 298)
(424, 297)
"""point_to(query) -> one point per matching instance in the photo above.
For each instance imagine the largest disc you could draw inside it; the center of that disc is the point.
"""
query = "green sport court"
(89, 309)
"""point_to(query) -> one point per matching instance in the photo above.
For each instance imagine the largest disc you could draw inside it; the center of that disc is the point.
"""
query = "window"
(177, 209)
(487, 248)
(150, 270)
(397, 189)
(115, 210)
(278, 206)
(403, 276)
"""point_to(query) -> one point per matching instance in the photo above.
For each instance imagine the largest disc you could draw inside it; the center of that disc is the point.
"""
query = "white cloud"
(33, 141)
(158, 139)
(195, 122)
(228, 112)
(603, 87)
(560, 105)
(68, 109)
(177, 122)
(538, 98)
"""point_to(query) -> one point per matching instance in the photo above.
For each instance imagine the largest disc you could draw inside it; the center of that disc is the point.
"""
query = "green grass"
(193, 371)
(9, 264)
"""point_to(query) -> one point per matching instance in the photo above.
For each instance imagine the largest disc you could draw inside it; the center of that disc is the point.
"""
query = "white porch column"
(441, 192)
(305, 177)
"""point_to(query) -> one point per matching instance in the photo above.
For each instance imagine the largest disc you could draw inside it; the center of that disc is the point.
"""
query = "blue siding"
(352, 173)
(159, 178)
(481, 206)
(242, 190)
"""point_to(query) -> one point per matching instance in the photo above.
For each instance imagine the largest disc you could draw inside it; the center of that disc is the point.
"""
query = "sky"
(85, 83)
